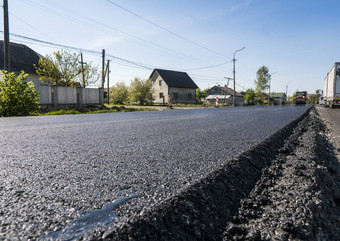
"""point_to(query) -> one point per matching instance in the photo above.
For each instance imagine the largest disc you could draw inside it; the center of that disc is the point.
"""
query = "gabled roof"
(227, 90)
(21, 58)
(175, 78)
(277, 95)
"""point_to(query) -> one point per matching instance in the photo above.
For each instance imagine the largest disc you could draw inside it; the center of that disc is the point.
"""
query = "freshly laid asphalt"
(55, 169)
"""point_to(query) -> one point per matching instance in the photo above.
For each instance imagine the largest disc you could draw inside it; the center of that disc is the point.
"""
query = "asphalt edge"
(202, 210)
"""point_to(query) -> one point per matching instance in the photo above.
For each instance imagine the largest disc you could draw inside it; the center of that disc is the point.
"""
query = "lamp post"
(287, 100)
(234, 92)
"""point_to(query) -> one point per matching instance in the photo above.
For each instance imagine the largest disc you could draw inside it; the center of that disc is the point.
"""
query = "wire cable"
(94, 24)
(165, 29)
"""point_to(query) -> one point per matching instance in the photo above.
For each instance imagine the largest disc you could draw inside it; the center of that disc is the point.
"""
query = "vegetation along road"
(86, 176)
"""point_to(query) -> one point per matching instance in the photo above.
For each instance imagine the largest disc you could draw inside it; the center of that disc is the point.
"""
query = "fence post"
(80, 96)
(54, 90)
(101, 96)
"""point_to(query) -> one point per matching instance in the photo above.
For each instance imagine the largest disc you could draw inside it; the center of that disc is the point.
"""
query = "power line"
(79, 49)
(94, 24)
(167, 30)
(208, 67)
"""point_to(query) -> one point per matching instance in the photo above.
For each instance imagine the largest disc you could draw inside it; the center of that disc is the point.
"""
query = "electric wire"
(94, 24)
(80, 49)
(165, 29)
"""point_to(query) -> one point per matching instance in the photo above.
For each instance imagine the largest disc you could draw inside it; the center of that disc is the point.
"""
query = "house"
(21, 58)
(24, 58)
(224, 95)
(279, 98)
(178, 85)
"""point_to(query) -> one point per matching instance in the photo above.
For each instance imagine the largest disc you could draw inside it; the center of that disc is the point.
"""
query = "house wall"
(182, 95)
(159, 89)
(218, 91)
(228, 101)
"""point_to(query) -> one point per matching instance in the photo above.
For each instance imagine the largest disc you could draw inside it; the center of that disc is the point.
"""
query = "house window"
(175, 95)
(189, 96)
(160, 82)
(161, 95)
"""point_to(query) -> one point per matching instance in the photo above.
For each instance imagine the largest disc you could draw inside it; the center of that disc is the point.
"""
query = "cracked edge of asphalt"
(297, 196)
(203, 210)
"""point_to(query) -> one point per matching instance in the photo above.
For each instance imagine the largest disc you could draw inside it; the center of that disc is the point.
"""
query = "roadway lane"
(331, 117)
(54, 169)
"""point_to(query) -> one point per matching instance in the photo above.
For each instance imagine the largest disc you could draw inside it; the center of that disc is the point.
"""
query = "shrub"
(17, 97)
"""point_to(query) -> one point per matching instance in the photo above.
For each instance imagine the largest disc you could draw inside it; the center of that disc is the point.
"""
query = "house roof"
(277, 95)
(227, 90)
(175, 78)
(21, 57)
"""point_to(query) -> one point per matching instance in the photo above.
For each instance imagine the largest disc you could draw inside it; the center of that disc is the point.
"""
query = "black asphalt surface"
(55, 169)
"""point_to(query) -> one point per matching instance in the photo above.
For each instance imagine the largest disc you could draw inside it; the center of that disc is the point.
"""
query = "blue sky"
(298, 40)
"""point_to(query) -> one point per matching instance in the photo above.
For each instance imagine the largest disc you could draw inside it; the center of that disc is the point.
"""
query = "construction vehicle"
(300, 97)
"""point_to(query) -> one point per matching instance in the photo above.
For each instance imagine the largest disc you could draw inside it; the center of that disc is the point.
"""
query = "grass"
(61, 112)
(75, 112)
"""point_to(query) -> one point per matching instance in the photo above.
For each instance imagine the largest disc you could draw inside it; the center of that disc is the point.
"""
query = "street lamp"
(234, 92)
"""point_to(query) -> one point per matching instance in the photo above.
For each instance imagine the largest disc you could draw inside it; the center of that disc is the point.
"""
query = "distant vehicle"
(300, 97)
(331, 91)
(321, 100)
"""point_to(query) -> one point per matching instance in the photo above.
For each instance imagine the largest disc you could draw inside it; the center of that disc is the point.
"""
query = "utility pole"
(225, 94)
(82, 69)
(6, 38)
(269, 78)
(107, 70)
(269, 90)
(234, 92)
(103, 68)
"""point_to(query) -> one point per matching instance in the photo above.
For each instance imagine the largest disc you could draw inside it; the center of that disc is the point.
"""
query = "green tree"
(200, 94)
(141, 91)
(92, 75)
(261, 82)
(17, 97)
(64, 69)
(119, 93)
(249, 96)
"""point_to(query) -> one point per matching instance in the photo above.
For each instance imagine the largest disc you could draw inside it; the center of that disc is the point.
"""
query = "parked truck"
(331, 90)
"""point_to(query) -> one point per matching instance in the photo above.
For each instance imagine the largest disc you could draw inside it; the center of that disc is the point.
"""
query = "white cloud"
(241, 5)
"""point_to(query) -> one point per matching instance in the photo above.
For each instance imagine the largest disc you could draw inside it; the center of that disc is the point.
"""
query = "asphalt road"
(331, 117)
(55, 169)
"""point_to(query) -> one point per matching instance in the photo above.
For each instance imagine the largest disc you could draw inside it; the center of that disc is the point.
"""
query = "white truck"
(331, 89)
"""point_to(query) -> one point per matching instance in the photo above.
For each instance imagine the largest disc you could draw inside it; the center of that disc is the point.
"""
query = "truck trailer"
(331, 90)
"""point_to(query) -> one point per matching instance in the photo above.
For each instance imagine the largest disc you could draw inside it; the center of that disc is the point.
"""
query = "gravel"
(297, 197)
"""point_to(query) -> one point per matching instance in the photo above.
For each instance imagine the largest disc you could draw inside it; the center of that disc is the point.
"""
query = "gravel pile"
(297, 197)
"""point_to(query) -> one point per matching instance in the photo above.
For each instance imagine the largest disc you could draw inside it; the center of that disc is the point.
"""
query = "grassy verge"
(100, 111)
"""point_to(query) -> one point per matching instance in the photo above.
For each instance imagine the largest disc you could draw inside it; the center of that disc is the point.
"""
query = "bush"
(17, 97)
